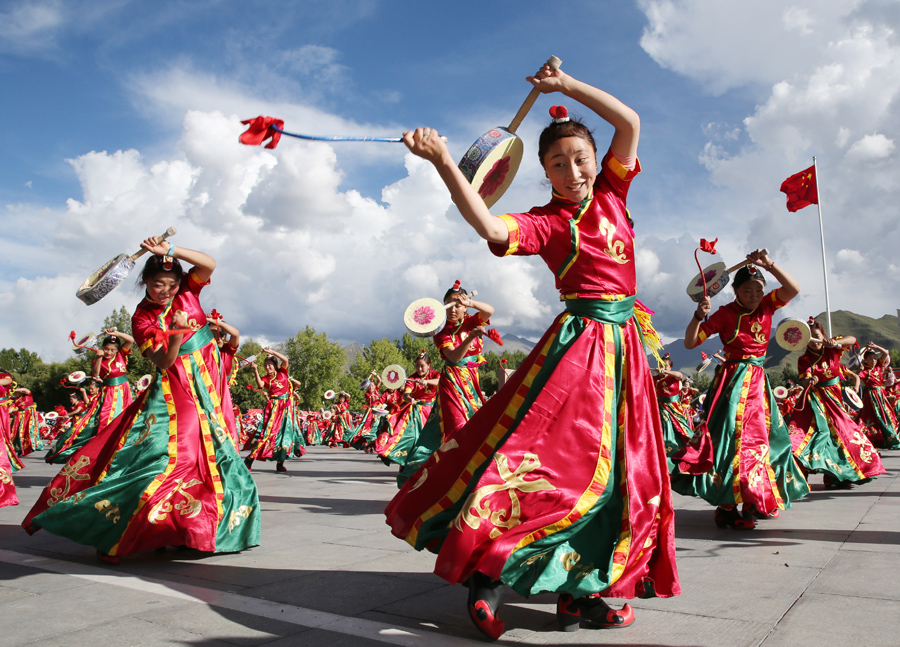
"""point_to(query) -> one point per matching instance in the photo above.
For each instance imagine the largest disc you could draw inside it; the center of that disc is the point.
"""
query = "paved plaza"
(329, 573)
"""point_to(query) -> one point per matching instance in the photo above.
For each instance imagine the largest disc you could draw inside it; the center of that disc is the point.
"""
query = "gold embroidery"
(189, 507)
(513, 482)
(615, 249)
(756, 331)
(534, 558)
(148, 423)
(570, 562)
(863, 442)
(5, 477)
(758, 471)
(834, 466)
(221, 434)
(717, 479)
(109, 510)
(237, 516)
(70, 471)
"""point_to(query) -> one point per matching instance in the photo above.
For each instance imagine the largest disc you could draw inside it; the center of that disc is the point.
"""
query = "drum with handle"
(393, 376)
(852, 400)
(77, 377)
(144, 382)
(717, 278)
(425, 317)
(329, 394)
(111, 274)
(792, 334)
(491, 162)
(780, 392)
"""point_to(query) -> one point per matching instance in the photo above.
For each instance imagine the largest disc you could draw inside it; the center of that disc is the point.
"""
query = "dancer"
(278, 437)
(165, 472)
(227, 348)
(405, 425)
(833, 444)
(559, 482)
(877, 415)
(8, 458)
(753, 460)
(367, 430)
(688, 451)
(83, 429)
(459, 390)
(25, 429)
(111, 366)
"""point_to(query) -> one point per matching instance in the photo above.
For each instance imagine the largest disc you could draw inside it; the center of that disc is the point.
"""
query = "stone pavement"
(329, 572)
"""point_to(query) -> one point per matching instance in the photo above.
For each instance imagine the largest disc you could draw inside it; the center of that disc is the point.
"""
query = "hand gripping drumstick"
(554, 64)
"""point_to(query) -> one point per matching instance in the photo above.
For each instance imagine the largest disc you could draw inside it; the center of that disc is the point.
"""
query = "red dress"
(570, 451)
(115, 394)
(7, 487)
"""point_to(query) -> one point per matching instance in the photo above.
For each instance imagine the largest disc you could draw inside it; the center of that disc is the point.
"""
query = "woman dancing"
(111, 366)
(559, 482)
(25, 429)
(165, 472)
(278, 438)
(83, 429)
(877, 415)
(832, 443)
(404, 426)
(687, 451)
(753, 463)
(7, 455)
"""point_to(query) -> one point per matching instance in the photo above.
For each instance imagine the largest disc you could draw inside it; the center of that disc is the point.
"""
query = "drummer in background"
(83, 429)
(9, 463)
(111, 366)
(228, 339)
(26, 436)
(877, 415)
(459, 389)
(832, 443)
(405, 423)
(763, 476)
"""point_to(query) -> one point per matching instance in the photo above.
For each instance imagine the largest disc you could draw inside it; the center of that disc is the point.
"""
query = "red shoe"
(570, 612)
(749, 511)
(733, 519)
(279, 467)
(484, 599)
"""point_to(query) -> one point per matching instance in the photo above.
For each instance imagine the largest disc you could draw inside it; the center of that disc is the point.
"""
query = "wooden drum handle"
(473, 293)
(171, 231)
(745, 262)
(554, 64)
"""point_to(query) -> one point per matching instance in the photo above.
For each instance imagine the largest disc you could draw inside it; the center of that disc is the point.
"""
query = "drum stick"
(474, 293)
(171, 231)
(745, 262)
(554, 64)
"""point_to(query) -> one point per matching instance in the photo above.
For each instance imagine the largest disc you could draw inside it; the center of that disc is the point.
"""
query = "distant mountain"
(351, 352)
(884, 332)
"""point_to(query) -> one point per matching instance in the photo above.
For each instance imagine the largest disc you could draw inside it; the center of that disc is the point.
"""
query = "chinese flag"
(801, 189)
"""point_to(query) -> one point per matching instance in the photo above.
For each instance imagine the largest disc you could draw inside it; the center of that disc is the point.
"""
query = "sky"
(122, 117)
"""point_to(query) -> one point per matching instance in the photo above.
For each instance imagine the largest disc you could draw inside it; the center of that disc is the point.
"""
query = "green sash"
(197, 341)
(115, 381)
(608, 312)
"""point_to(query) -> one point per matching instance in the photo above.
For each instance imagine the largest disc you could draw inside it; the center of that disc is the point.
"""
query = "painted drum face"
(792, 334)
(491, 163)
(105, 280)
(716, 280)
(425, 317)
(393, 376)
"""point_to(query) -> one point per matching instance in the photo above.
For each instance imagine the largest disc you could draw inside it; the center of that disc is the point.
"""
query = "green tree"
(316, 362)
(411, 346)
(489, 372)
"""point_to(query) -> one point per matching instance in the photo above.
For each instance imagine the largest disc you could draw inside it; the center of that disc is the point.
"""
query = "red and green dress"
(688, 451)
(459, 393)
(7, 455)
(877, 415)
(78, 434)
(405, 425)
(832, 442)
(559, 482)
(26, 433)
(752, 462)
(165, 472)
(367, 430)
(278, 437)
(115, 394)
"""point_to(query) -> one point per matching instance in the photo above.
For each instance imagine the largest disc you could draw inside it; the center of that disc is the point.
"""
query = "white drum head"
(425, 317)
(77, 377)
(51, 415)
(393, 376)
(329, 394)
(716, 280)
(144, 382)
(852, 398)
(780, 392)
(792, 334)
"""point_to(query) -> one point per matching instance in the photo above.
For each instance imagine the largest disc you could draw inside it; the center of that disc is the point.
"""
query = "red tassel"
(261, 129)
(707, 246)
(494, 336)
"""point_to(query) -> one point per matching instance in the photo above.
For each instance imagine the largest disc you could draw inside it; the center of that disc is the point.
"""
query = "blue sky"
(121, 120)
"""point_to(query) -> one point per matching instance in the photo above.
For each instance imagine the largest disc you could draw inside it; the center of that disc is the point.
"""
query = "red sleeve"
(617, 176)
(528, 233)
(715, 324)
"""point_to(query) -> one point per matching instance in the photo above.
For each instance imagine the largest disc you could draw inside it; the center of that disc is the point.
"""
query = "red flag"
(261, 129)
(801, 189)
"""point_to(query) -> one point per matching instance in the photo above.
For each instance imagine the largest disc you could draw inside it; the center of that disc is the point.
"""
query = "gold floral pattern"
(615, 249)
(188, 506)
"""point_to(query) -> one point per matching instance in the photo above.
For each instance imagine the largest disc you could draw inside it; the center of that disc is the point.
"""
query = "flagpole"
(822, 234)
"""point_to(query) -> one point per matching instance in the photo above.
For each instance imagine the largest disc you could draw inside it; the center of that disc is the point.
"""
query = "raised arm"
(284, 360)
(127, 340)
(204, 264)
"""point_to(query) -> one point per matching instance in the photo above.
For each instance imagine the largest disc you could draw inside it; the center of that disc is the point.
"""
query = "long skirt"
(688, 450)
(7, 487)
(559, 483)
(833, 444)
(403, 429)
(279, 437)
(165, 473)
(77, 435)
(115, 396)
(877, 416)
(26, 435)
(753, 462)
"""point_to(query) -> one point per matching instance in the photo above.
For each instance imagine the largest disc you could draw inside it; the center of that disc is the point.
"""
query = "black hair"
(556, 131)
(271, 359)
(448, 296)
(109, 339)
(747, 273)
(425, 357)
(156, 265)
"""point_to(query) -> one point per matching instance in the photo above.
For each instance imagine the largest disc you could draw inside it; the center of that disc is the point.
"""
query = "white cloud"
(875, 146)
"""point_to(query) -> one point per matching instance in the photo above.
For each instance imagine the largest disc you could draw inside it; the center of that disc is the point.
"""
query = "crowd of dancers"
(559, 482)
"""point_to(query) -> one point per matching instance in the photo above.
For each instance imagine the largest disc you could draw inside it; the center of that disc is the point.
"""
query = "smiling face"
(422, 366)
(571, 165)
(162, 287)
(750, 293)
(270, 366)
(110, 350)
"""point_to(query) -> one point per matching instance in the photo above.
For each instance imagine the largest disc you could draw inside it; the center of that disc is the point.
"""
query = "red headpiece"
(559, 114)
(456, 285)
